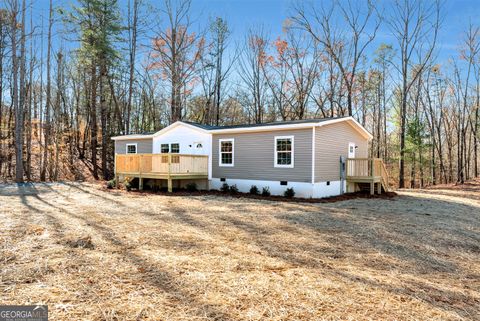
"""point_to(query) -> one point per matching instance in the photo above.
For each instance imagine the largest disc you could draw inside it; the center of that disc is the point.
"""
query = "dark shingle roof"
(277, 123)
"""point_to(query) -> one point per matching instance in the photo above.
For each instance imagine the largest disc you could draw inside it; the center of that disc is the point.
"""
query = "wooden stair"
(368, 174)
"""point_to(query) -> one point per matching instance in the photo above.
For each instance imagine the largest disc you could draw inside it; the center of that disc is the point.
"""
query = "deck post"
(140, 179)
(371, 168)
(379, 188)
(170, 187)
(115, 171)
(372, 188)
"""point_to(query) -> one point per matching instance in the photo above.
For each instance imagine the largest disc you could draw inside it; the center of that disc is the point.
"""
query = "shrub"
(234, 189)
(225, 188)
(111, 183)
(266, 191)
(191, 187)
(289, 192)
(254, 190)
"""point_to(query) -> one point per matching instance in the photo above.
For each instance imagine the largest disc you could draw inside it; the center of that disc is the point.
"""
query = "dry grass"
(99, 255)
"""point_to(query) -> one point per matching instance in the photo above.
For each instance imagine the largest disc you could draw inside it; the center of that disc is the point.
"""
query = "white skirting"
(306, 190)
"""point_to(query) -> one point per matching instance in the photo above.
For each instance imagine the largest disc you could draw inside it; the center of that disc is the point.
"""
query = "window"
(164, 148)
(226, 152)
(284, 151)
(175, 148)
(131, 148)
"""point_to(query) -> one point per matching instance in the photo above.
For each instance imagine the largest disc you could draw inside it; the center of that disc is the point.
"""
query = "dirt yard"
(94, 254)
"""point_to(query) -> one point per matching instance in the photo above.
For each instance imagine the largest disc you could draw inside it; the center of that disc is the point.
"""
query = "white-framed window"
(132, 148)
(284, 152)
(175, 148)
(226, 152)
(164, 148)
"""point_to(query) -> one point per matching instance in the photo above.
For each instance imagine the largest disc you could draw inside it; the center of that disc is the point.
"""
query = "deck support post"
(140, 183)
(379, 188)
(372, 188)
(170, 183)
(115, 170)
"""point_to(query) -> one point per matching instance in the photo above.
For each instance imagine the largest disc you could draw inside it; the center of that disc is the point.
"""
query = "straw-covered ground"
(95, 254)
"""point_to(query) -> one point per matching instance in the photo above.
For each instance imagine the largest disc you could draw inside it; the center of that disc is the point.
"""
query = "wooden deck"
(368, 171)
(161, 166)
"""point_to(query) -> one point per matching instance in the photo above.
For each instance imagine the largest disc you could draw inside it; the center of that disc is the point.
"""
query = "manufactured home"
(317, 157)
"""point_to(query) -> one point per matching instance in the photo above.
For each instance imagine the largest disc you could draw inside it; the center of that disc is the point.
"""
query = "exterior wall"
(254, 157)
(188, 138)
(331, 142)
(305, 190)
(144, 146)
(301, 189)
(321, 189)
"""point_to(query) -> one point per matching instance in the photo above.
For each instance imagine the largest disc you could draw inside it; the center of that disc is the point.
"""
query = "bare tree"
(346, 48)
(48, 98)
(132, 36)
(176, 52)
(415, 25)
(251, 63)
(291, 73)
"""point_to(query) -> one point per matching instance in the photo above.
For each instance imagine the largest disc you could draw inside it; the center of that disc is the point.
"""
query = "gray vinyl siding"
(331, 142)
(144, 146)
(254, 156)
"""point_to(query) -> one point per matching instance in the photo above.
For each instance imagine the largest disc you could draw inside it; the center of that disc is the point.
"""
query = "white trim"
(210, 156)
(176, 124)
(275, 155)
(352, 122)
(277, 127)
(232, 140)
(160, 132)
(131, 137)
(136, 148)
(313, 155)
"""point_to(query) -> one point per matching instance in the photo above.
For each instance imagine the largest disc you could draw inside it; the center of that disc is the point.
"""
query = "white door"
(351, 150)
(351, 164)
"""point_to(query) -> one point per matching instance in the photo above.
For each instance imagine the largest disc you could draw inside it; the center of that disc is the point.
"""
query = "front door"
(350, 164)
(351, 150)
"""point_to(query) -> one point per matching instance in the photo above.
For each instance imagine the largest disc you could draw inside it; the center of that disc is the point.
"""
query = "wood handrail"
(368, 168)
(168, 164)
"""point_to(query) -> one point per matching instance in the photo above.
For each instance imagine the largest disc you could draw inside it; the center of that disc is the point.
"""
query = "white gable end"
(191, 140)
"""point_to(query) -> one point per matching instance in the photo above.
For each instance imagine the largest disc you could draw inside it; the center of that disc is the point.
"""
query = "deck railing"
(161, 164)
(368, 168)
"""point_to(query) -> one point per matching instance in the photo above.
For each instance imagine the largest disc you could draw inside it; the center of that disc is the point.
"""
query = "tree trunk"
(46, 140)
(93, 118)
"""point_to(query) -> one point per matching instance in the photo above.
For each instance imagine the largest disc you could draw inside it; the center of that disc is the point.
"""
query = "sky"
(244, 14)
